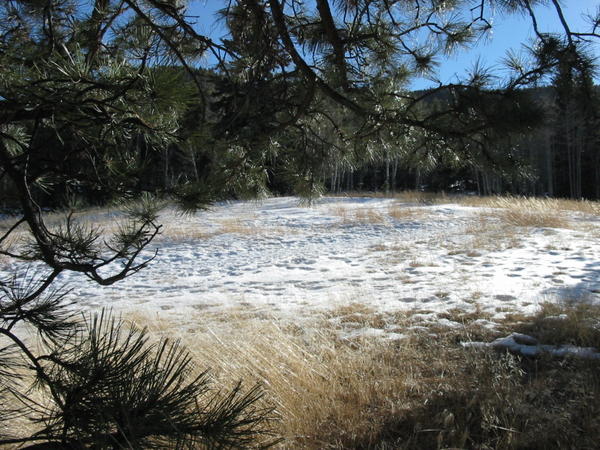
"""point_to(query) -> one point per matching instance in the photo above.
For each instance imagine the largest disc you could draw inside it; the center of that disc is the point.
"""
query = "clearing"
(427, 255)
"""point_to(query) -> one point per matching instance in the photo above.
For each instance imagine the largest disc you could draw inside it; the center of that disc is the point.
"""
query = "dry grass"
(525, 213)
(185, 233)
(400, 212)
(533, 218)
(532, 204)
(540, 212)
(421, 262)
(353, 216)
(108, 222)
(357, 315)
(369, 215)
(414, 393)
(513, 211)
(396, 212)
(237, 226)
(342, 212)
(420, 392)
(422, 198)
(485, 232)
(327, 391)
(574, 323)
(244, 225)
(501, 229)
(302, 370)
(401, 252)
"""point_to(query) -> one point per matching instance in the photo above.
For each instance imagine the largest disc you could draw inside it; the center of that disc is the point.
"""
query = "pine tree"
(84, 88)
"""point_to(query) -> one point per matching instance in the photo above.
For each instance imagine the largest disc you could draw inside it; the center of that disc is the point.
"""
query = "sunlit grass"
(416, 392)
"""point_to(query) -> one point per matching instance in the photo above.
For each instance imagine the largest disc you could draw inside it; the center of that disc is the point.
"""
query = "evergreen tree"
(85, 91)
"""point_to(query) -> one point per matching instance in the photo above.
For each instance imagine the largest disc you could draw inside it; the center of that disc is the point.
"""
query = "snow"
(528, 346)
(294, 261)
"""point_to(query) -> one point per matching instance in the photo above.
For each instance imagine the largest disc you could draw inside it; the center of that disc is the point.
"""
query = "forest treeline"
(560, 157)
(558, 154)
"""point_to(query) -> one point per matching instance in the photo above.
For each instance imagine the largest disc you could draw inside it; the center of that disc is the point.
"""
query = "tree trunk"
(394, 174)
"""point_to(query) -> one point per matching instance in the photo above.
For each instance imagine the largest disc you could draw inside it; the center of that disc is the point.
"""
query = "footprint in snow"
(313, 287)
(201, 306)
(340, 258)
(273, 289)
(173, 288)
(197, 290)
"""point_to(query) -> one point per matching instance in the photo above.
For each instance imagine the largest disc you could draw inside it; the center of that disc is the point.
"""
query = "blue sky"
(509, 32)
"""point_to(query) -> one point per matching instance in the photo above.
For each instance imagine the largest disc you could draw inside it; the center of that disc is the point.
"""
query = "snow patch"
(297, 261)
(529, 346)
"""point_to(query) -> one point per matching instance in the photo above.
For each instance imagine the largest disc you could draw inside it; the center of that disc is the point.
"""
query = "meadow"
(370, 321)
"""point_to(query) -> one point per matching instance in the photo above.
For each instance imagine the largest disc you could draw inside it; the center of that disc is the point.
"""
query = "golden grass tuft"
(370, 216)
(342, 212)
(357, 314)
(423, 262)
(400, 212)
(244, 226)
(485, 231)
(521, 213)
(349, 215)
(237, 226)
(534, 218)
(575, 323)
(532, 204)
(188, 233)
(379, 216)
(422, 198)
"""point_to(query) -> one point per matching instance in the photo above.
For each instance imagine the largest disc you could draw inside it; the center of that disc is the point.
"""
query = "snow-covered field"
(291, 261)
